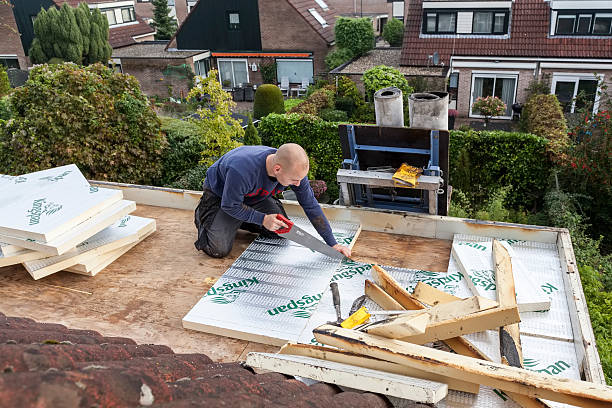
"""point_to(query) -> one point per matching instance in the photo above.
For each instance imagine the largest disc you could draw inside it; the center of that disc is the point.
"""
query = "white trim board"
(93, 266)
(80, 233)
(466, 5)
(347, 375)
(123, 232)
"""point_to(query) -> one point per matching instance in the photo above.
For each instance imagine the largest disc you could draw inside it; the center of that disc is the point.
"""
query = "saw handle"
(286, 221)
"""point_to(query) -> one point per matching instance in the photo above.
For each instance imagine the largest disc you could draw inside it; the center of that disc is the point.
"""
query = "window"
(440, 22)
(576, 91)
(322, 4)
(233, 20)
(295, 70)
(110, 16)
(128, 14)
(502, 86)
(581, 23)
(9, 62)
(318, 17)
(489, 22)
(233, 73)
(202, 67)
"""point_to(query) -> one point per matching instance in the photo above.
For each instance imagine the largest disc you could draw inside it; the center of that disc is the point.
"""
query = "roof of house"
(385, 56)
(151, 49)
(43, 363)
(528, 38)
(74, 3)
(124, 35)
(330, 16)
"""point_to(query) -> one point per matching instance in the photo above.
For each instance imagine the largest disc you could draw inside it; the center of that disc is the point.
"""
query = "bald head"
(292, 156)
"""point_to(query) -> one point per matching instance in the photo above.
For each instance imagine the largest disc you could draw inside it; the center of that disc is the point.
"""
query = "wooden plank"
(394, 289)
(382, 179)
(509, 335)
(400, 326)
(429, 295)
(354, 240)
(458, 308)
(340, 356)
(467, 324)
(346, 375)
(513, 379)
(382, 299)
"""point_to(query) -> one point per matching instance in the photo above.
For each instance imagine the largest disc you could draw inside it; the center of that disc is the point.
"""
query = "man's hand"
(272, 223)
(344, 250)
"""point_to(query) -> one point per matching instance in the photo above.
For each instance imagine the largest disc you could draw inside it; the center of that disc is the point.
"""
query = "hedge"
(185, 146)
(318, 137)
(482, 162)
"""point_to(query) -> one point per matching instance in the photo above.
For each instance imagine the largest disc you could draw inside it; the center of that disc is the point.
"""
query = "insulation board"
(123, 232)
(20, 256)
(79, 233)
(270, 291)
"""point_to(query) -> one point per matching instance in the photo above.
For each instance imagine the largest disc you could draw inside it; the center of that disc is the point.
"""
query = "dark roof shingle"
(329, 15)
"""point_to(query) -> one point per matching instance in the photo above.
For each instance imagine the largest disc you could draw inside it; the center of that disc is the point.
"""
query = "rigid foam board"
(20, 256)
(79, 233)
(270, 291)
(119, 234)
(93, 266)
(9, 249)
(475, 259)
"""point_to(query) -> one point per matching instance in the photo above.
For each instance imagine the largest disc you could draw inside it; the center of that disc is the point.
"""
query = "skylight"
(318, 17)
(322, 4)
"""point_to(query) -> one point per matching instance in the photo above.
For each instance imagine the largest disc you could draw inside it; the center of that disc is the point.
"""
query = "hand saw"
(296, 234)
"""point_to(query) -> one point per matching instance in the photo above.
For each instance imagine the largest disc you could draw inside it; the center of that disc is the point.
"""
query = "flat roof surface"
(151, 50)
(389, 57)
(145, 293)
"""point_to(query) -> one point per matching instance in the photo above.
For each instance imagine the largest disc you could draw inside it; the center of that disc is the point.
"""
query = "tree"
(489, 107)
(393, 33)
(251, 137)
(356, 34)
(219, 129)
(382, 76)
(5, 85)
(162, 22)
(78, 35)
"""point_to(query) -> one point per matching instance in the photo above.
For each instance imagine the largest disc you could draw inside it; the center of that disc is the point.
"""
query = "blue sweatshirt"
(240, 178)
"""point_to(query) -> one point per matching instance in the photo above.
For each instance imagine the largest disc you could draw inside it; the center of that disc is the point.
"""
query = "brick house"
(178, 9)
(12, 54)
(380, 11)
(125, 26)
(243, 34)
(498, 47)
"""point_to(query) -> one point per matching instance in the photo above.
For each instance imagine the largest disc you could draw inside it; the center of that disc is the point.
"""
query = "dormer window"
(583, 23)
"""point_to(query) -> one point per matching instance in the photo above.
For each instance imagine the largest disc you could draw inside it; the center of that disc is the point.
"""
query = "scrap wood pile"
(54, 220)
(393, 355)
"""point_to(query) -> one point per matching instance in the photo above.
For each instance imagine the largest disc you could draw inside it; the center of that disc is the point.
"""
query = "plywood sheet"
(78, 234)
(270, 291)
(119, 234)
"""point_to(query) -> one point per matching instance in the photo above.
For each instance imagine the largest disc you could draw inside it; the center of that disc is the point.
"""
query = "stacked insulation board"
(54, 220)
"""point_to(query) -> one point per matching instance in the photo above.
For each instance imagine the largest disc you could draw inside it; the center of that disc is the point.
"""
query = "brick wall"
(292, 33)
(152, 80)
(369, 6)
(11, 42)
(181, 10)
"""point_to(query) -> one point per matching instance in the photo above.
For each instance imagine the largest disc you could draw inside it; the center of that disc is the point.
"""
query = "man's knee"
(218, 248)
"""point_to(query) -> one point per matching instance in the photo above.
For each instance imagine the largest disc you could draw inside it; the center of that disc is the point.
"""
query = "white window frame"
(297, 60)
(576, 77)
(502, 75)
(318, 17)
(322, 4)
(246, 63)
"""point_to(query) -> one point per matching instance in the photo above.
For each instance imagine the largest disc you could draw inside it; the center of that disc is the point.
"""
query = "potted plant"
(319, 188)
(226, 83)
(452, 114)
(489, 107)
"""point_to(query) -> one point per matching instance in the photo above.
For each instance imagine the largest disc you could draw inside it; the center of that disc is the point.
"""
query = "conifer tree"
(162, 22)
(251, 136)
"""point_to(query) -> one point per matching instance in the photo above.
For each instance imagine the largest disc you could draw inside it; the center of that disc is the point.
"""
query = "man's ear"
(276, 168)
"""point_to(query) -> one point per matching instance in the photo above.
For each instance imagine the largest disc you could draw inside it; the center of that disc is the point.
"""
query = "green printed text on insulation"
(442, 280)
(349, 273)
(301, 303)
(230, 286)
(36, 211)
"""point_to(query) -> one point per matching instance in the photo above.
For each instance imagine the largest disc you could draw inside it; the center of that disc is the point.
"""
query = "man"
(239, 192)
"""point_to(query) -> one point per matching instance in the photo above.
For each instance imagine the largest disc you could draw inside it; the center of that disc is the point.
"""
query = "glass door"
(501, 86)
(576, 92)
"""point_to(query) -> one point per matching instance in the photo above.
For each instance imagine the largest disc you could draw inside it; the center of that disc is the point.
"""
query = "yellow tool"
(357, 318)
(407, 176)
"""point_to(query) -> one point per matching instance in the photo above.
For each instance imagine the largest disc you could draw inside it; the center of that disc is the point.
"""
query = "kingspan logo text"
(301, 307)
(229, 291)
(39, 208)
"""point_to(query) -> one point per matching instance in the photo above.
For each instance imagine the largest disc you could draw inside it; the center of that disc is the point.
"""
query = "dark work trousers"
(217, 229)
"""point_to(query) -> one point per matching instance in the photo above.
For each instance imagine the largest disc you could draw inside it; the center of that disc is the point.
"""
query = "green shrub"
(345, 104)
(291, 103)
(393, 32)
(5, 108)
(382, 76)
(192, 179)
(418, 83)
(538, 87)
(251, 136)
(5, 85)
(318, 137)
(333, 115)
(356, 34)
(346, 88)
(364, 114)
(91, 116)
(482, 162)
(543, 116)
(185, 146)
(306, 107)
(268, 71)
(268, 99)
(337, 57)
(320, 99)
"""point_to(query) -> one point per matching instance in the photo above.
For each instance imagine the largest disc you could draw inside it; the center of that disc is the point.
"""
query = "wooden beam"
(380, 297)
(394, 289)
(365, 379)
(466, 324)
(513, 379)
(509, 335)
(340, 356)
(381, 179)
(352, 244)
(400, 326)
(458, 308)
(432, 296)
